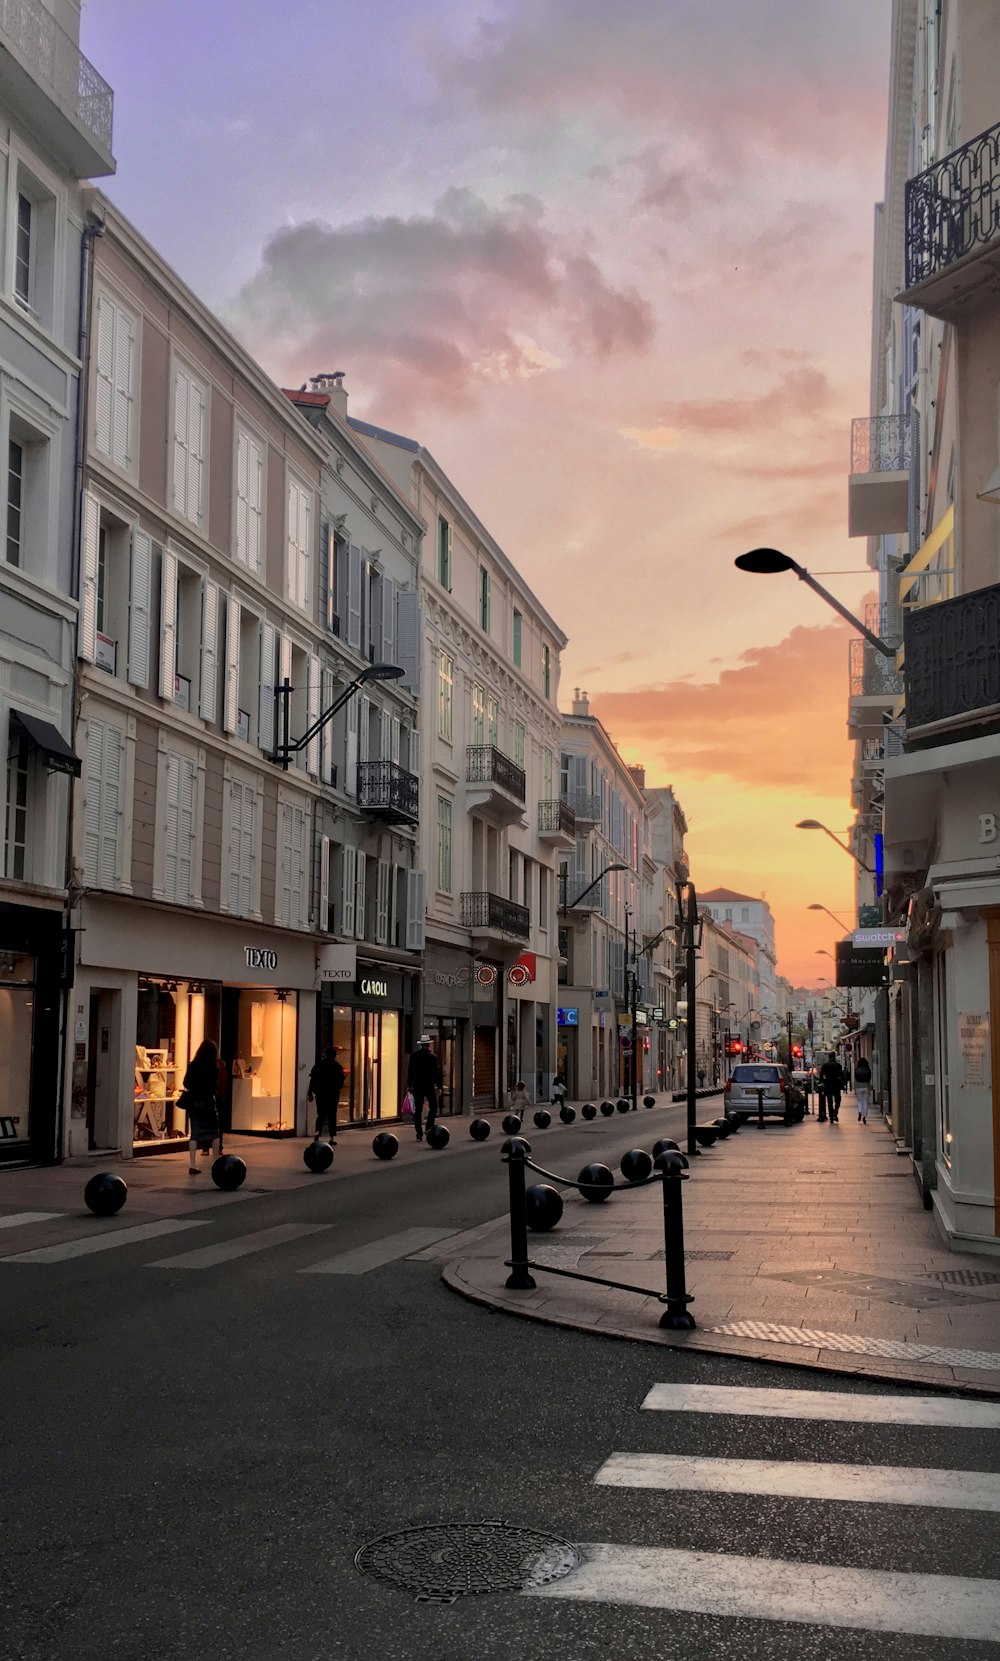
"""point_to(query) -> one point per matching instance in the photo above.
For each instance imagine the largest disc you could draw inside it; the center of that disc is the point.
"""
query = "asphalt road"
(191, 1459)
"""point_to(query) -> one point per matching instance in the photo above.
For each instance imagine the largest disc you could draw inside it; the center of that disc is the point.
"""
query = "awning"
(48, 741)
(924, 554)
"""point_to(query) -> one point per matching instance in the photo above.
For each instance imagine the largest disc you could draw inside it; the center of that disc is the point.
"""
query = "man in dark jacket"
(325, 1084)
(423, 1079)
(831, 1083)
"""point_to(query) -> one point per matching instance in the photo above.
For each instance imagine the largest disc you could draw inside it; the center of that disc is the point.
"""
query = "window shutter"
(90, 545)
(349, 881)
(325, 551)
(242, 497)
(364, 728)
(286, 900)
(209, 651)
(395, 740)
(416, 910)
(195, 450)
(92, 803)
(323, 920)
(354, 579)
(388, 620)
(359, 903)
(187, 796)
(313, 713)
(301, 885)
(140, 592)
(351, 747)
(408, 637)
(170, 825)
(124, 382)
(103, 803)
(231, 696)
(168, 624)
(265, 708)
(326, 733)
(255, 508)
(383, 876)
(384, 735)
(242, 847)
(284, 659)
(105, 375)
(182, 386)
(414, 752)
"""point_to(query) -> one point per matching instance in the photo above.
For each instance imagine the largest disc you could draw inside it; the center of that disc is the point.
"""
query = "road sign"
(626, 1041)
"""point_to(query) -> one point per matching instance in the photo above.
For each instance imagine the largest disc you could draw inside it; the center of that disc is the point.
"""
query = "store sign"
(338, 963)
(260, 957)
(370, 986)
(567, 1017)
(973, 1044)
(878, 937)
(861, 965)
(375, 986)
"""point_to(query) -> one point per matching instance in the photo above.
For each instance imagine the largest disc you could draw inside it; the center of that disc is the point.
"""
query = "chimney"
(332, 382)
(581, 703)
(638, 776)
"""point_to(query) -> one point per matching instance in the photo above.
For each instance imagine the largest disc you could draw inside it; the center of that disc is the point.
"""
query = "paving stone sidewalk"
(806, 1245)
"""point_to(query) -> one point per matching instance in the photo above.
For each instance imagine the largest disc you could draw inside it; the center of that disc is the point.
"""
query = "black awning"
(49, 742)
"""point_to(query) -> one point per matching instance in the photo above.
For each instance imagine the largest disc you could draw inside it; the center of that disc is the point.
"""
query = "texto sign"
(878, 937)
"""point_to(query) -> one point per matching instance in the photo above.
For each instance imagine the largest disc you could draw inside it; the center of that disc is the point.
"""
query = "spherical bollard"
(318, 1156)
(599, 1183)
(105, 1194)
(543, 1207)
(622, 1105)
(607, 1108)
(724, 1127)
(228, 1172)
(649, 1101)
(480, 1129)
(510, 1124)
(543, 1118)
(567, 1114)
(588, 1110)
(635, 1165)
(513, 1142)
(671, 1164)
(438, 1136)
(665, 1145)
(384, 1145)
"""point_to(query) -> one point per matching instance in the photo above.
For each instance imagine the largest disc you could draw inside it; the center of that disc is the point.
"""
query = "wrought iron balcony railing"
(51, 54)
(492, 911)
(485, 764)
(584, 805)
(953, 208)
(388, 789)
(952, 663)
(871, 674)
(556, 815)
(880, 444)
(586, 896)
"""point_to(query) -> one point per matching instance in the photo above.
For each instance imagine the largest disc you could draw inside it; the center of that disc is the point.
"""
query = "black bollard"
(760, 1110)
(519, 1280)
(676, 1317)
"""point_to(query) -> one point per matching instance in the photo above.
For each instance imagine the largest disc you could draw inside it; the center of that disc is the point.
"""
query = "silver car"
(753, 1084)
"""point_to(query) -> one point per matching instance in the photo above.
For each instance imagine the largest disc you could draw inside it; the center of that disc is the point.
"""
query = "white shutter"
(299, 538)
(364, 728)
(90, 534)
(195, 450)
(242, 847)
(249, 500)
(168, 624)
(359, 903)
(408, 637)
(313, 713)
(284, 659)
(92, 802)
(326, 733)
(351, 747)
(285, 900)
(104, 380)
(186, 800)
(383, 876)
(170, 825)
(323, 920)
(385, 736)
(140, 594)
(416, 910)
(231, 696)
(105, 759)
(265, 709)
(354, 581)
(388, 620)
(301, 884)
(182, 387)
(209, 651)
(305, 551)
(124, 386)
(394, 742)
(414, 752)
(349, 880)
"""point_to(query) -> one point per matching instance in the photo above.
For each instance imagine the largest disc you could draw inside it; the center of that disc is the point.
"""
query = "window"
(37, 210)
(242, 898)
(249, 500)
(444, 554)
(293, 879)
(16, 816)
(114, 382)
(478, 715)
(492, 722)
(299, 544)
(547, 776)
(444, 845)
(27, 542)
(546, 672)
(190, 432)
(15, 482)
(103, 803)
(190, 613)
(516, 634)
(484, 599)
(446, 684)
(744, 914)
(519, 743)
(22, 250)
(181, 878)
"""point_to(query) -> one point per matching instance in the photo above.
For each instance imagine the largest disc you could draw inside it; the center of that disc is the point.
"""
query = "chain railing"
(58, 61)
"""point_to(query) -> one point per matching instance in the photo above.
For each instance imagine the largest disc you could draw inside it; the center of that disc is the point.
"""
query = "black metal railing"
(485, 764)
(953, 207)
(871, 674)
(880, 444)
(584, 804)
(953, 659)
(588, 895)
(492, 911)
(556, 815)
(385, 787)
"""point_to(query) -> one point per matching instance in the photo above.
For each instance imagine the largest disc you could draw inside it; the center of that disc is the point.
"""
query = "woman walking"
(198, 1099)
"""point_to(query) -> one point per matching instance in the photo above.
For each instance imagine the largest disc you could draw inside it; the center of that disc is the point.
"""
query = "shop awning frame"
(48, 741)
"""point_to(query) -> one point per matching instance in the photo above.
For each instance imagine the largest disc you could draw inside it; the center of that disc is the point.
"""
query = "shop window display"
(170, 1024)
(17, 999)
(263, 1084)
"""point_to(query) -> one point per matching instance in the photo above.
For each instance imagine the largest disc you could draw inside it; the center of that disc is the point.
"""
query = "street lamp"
(817, 907)
(814, 824)
(288, 747)
(585, 891)
(767, 562)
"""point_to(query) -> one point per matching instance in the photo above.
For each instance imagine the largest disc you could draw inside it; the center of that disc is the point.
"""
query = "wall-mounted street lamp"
(585, 891)
(288, 747)
(767, 562)
(817, 907)
(814, 824)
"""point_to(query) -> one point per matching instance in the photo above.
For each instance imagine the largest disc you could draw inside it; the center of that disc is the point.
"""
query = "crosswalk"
(917, 1602)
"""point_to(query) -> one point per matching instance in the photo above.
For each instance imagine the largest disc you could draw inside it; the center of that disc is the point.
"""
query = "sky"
(611, 264)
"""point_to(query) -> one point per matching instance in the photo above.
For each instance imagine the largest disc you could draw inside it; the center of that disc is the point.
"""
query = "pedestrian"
(558, 1090)
(199, 1101)
(520, 1101)
(326, 1081)
(701, 1078)
(862, 1087)
(831, 1083)
(423, 1078)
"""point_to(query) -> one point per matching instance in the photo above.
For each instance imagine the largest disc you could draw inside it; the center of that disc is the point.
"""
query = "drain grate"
(442, 1562)
(966, 1277)
(702, 1256)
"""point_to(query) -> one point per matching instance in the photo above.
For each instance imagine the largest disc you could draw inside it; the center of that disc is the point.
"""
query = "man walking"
(325, 1084)
(831, 1085)
(423, 1078)
(863, 1087)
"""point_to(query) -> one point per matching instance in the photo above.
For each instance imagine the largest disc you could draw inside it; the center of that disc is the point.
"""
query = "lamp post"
(847, 927)
(769, 561)
(814, 824)
(689, 924)
(632, 986)
(585, 891)
(288, 747)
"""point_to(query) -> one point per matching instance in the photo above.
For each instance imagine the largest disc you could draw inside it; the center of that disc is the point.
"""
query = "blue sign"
(567, 1017)
(879, 863)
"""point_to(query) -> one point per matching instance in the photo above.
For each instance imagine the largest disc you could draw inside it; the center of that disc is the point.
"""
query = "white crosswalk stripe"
(19, 1219)
(802, 1479)
(206, 1257)
(87, 1244)
(824, 1405)
(377, 1252)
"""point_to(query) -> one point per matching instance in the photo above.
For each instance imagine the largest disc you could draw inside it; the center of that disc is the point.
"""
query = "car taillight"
(783, 1085)
(729, 1086)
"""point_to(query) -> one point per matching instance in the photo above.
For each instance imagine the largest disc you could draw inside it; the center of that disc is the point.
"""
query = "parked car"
(783, 1097)
(805, 1078)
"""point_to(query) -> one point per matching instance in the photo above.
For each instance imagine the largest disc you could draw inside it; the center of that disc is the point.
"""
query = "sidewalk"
(805, 1246)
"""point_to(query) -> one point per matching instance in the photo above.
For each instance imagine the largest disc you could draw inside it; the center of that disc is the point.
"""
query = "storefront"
(31, 961)
(370, 1021)
(447, 1017)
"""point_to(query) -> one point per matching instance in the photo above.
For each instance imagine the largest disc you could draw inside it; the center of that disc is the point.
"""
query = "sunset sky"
(610, 260)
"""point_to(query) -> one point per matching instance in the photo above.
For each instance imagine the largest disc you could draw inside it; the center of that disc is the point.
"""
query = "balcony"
(495, 785)
(878, 488)
(586, 808)
(952, 669)
(875, 685)
(49, 84)
(556, 823)
(953, 228)
(387, 791)
(573, 898)
(494, 922)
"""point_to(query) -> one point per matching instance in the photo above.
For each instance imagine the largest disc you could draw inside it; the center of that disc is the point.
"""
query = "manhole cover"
(444, 1561)
(966, 1277)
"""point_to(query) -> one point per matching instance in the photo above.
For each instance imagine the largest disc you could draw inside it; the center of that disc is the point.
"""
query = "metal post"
(788, 1018)
(284, 692)
(760, 1110)
(690, 948)
(676, 1316)
(519, 1280)
(635, 1020)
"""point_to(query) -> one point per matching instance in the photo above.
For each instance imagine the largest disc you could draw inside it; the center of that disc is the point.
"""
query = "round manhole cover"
(444, 1561)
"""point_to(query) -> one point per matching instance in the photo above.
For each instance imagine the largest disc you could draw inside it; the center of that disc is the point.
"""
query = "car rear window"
(754, 1075)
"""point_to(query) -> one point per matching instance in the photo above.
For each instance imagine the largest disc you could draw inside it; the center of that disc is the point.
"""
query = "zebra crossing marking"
(362, 1259)
(18, 1219)
(840, 1405)
(774, 1589)
(803, 1479)
(87, 1244)
(205, 1257)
